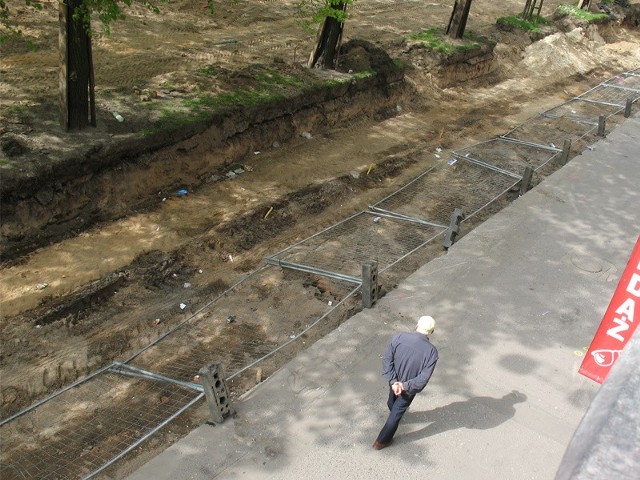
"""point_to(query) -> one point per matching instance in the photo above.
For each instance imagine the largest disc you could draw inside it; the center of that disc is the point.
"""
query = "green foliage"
(107, 11)
(516, 21)
(400, 64)
(365, 74)
(435, 39)
(574, 11)
(313, 12)
(7, 30)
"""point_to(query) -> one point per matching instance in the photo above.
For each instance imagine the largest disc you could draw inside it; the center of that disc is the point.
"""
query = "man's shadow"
(480, 413)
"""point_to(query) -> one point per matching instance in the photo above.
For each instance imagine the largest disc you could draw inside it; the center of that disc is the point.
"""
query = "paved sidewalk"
(517, 302)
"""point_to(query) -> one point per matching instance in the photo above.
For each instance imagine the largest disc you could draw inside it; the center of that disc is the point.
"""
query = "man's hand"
(397, 388)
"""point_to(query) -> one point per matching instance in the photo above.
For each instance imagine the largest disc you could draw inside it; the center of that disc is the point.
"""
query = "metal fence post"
(454, 227)
(627, 108)
(601, 125)
(369, 284)
(215, 391)
(566, 149)
(525, 183)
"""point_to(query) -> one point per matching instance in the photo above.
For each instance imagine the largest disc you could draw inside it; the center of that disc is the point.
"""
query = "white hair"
(426, 325)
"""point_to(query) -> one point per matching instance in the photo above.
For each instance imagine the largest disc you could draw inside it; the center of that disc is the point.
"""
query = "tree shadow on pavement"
(477, 413)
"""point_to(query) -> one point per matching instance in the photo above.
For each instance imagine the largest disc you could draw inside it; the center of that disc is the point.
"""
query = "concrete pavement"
(516, 301)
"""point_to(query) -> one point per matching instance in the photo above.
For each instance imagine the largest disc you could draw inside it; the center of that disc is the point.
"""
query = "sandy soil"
(108, 282)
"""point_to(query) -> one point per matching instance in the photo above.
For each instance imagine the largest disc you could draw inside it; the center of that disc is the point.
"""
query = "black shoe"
(379, 445)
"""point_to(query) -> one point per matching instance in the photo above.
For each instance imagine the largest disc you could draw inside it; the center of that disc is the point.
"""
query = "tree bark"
(325, 52)
(458, 20)
(530, 7)
(75, 69)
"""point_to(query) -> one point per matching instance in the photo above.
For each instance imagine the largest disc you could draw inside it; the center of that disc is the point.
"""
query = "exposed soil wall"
(108, 180)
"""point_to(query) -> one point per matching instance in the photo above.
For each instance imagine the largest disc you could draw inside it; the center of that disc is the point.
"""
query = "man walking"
(408, 363)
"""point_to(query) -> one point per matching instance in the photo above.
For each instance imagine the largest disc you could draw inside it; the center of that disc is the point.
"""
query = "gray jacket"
(409, 358)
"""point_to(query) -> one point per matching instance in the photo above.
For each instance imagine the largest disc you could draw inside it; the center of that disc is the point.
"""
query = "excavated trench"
(81, 329)
(108, 182)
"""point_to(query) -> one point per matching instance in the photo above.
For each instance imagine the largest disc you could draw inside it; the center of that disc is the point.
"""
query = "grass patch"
(262, 86)
(400, 64)
(365, 74)
(575, 12)
(267, 86)
(209, 71)
(435, 39)
(516, 21)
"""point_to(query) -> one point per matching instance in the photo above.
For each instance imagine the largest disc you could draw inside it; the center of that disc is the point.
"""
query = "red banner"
(618, 324)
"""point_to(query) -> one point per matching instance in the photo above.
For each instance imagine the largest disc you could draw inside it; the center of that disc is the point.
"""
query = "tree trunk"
(325, 53)
(76, 82)
(530, 7)
(458, 20)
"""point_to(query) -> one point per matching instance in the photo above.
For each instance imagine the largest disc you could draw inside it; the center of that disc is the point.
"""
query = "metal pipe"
(569, 117)
(530, 144)
(140, 373)
(476, 161)
(598, 102)
(308, 269)
(620, 87)
(399, 216)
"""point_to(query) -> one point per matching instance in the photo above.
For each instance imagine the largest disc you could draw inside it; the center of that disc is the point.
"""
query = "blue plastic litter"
(182, 192)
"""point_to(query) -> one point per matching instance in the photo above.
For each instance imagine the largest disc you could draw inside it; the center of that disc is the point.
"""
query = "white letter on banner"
(622, 327)
(634, 285)
(627, 309)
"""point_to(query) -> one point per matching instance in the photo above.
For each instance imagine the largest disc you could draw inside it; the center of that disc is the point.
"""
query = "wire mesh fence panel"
(249, 321)
(458, 184)
(507, 155)
(346, 246)
(609, 94)
(627, 80)
(580, 111)
(546, 131)
(82, 429)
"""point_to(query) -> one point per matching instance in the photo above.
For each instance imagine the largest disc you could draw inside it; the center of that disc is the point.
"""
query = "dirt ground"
(93, 293)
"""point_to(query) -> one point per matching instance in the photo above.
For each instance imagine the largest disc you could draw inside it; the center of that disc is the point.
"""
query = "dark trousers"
(397, 406)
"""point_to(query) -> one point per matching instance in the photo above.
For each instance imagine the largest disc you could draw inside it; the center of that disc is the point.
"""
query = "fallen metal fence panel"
(579, 110)
(433, 195)
(76, 434)
(364, 237)
(250, 320)
(608, 94)
(508, 155)
(629, 79)
(544, 131)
